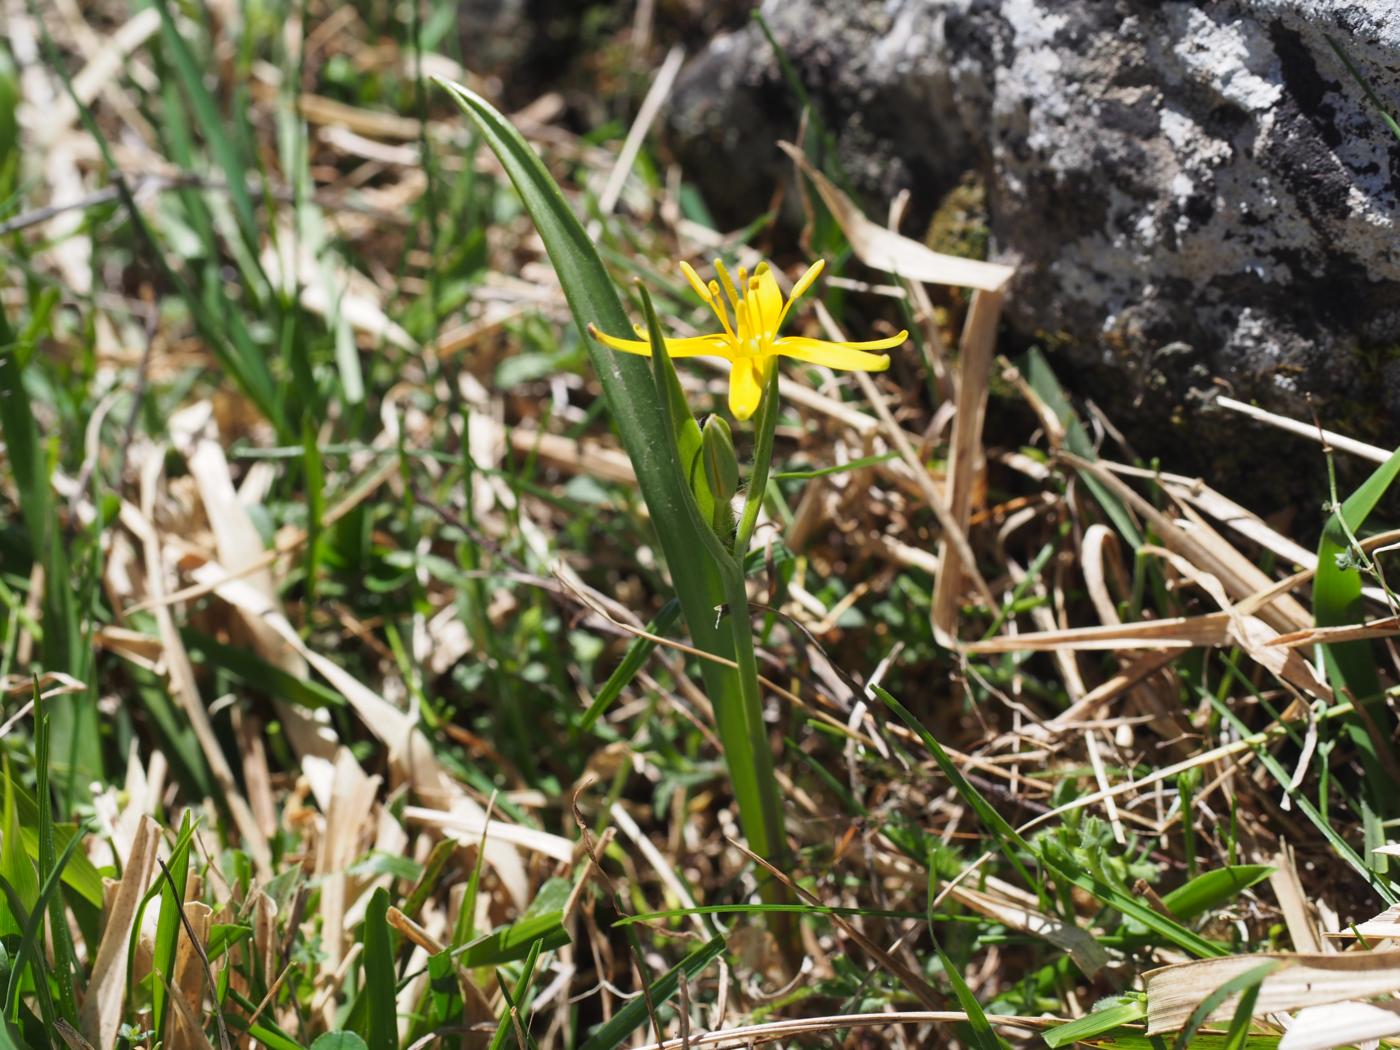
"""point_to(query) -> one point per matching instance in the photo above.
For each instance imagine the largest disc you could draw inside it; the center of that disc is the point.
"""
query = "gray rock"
(1198, 196)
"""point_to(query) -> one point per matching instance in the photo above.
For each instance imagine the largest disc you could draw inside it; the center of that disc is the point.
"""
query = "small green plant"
(688, 475)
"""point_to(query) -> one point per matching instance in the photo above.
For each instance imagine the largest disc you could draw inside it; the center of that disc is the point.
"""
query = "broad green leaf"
(738, 713)
(339, 1041)
(1213, 888)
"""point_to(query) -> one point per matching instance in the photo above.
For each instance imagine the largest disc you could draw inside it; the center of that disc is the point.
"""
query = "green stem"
(762, 459)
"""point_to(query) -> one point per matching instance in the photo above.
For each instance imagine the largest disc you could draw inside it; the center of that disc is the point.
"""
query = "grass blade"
(1106, 1016)
(1009, 841)
(632, 662)
(64, 958)
(1250, 979)
(634, 1014)
(1351, 666)
(168, 929)
(380, 987)
(1213, 888)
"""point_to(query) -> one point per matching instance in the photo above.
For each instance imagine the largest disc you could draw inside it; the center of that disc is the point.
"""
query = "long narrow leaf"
(168, 929)
(380, 985)
(1351, 666)
(634, 1014)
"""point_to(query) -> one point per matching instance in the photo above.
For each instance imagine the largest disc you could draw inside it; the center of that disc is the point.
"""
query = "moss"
(959, 226)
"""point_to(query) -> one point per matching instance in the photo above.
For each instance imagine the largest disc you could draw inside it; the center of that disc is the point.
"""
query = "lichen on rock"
(1198, 197)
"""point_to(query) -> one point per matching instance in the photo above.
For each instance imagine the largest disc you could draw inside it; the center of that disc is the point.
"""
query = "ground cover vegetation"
(452, 593)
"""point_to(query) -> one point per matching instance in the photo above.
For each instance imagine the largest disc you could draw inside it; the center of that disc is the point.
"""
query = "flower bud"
(720, 463)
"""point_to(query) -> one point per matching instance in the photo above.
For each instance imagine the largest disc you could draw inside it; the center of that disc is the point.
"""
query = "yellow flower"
(750, 339)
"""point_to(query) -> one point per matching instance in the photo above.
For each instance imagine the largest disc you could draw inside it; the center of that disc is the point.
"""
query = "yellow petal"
(768, 297)
(714, 345)
(745, 389)
(888, 343)
(627, 346)
(836, 355)
(694, 346)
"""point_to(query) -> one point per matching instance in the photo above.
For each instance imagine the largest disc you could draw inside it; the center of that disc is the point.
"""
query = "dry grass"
(348, 622)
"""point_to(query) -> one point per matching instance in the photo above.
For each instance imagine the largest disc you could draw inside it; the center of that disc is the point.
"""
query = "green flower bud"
(720, 463)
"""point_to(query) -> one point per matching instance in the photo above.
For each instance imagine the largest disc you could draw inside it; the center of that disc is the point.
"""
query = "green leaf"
(31, 943)
(1106, 1016)
(168, 929)
(1009, 840)
(79, 875)
(23, 451)
(380, 985)
(1213, 888)
(249, 668)
(983, 1037)
(738, 713)
(1250, 979)
(505, 1029)
(1238, 1035)
(1042, 380)
(513, 941)
(1334, 838)
(1351, 666)
(15, 865)
(632, 661)
(839, 468)
(225, 935)
(265, 1032)
(377, 862)
(65, 963)
(634, 1014)
(339, 1041)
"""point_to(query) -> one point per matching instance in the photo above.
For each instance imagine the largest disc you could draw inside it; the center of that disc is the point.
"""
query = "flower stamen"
(727, 284)
(717, 305)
